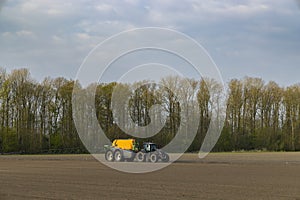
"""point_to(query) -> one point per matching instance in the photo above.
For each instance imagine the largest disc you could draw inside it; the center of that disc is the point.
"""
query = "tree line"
(37, 117)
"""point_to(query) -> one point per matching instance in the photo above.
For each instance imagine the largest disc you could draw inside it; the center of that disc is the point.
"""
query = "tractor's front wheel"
(165, 158)
(109, 156)
(118, 156)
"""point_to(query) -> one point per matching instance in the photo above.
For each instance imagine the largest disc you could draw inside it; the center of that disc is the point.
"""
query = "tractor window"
(148, 147)
(153, 147)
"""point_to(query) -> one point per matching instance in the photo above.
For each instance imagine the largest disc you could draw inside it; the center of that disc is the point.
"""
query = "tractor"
(129, 150)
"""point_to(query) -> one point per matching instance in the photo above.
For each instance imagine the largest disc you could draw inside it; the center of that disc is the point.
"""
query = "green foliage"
(225, 141)
(56, 141)
(9, 141)
(38, 117)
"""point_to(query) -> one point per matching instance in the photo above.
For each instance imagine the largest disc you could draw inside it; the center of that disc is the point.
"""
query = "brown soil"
(218, 176)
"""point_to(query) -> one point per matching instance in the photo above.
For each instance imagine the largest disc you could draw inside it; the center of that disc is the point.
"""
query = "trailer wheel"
(118, 156)
(153, 158)
(109, 156)
(140, 157)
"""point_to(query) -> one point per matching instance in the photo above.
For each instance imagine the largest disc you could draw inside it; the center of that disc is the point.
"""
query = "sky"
(255, 38)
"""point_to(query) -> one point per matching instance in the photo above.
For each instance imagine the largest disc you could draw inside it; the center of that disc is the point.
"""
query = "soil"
(218, 176)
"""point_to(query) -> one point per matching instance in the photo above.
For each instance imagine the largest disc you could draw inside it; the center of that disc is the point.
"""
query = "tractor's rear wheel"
(109, 156)
(118, 156)
(140, 157)
(153, 158)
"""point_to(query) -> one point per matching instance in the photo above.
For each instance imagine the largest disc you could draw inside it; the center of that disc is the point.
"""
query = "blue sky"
(244, 38)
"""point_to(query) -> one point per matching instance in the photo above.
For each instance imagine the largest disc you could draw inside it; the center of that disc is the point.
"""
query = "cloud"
(25, 33)
(250, 33)
(2, 2)
(46, 7)
(298, 2)
(104, 8)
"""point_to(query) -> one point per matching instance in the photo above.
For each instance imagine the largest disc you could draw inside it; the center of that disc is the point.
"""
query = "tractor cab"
(149, 147)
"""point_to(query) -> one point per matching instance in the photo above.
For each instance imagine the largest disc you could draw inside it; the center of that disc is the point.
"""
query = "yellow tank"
(125, 144)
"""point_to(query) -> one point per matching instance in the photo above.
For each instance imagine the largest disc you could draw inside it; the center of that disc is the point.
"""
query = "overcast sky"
(257, 38)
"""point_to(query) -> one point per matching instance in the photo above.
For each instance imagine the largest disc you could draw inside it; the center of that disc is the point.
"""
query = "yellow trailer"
(125, 144)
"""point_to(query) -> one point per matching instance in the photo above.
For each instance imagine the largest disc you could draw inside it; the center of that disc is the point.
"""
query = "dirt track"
(218, 176)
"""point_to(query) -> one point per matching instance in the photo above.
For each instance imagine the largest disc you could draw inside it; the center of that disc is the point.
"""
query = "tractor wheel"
(165, 158)
(140, 157)
(109, 156)
(153, 158)
(118, 156)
